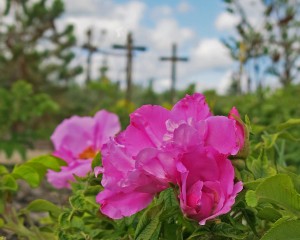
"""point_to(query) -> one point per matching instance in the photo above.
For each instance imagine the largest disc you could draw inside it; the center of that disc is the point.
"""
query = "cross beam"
(129, 47)
(91, 50)
(174, 58)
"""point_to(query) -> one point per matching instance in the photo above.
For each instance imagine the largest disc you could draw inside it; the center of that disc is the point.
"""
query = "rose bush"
(186, 146)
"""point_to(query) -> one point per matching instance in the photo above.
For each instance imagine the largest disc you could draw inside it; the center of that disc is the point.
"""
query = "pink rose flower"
(128, 190)
(186, 146)
(77, 140)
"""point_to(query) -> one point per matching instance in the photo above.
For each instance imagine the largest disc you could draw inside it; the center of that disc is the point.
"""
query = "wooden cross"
(129, 47)
(173, 60)
(91, 50)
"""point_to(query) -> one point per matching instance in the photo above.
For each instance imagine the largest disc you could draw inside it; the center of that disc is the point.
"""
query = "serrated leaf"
(280, 190)
(287, 230)
(168, 198)
(8, 183)
(41, 205)
(50, 162)
(3, 170)
(77, 201)
(260, 166)
(226, 230)
(64, 219)
(149, 225)
(27, 173)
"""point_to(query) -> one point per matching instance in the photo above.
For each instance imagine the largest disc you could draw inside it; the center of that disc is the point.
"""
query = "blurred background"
(60, 58)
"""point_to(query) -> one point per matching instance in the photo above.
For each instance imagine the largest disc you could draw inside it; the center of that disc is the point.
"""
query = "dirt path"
(16, 158)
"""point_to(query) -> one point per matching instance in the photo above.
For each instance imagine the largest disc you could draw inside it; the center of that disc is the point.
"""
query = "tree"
(283, 25)
(276, 44)
(31, 46)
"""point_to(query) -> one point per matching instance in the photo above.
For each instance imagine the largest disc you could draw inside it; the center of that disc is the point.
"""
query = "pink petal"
(98, 170)
(228, 204)
(201, 164)
(233, 114)
(221, 134)
(158, 164)
(63, 178)
(72, 137)
(117, 205)
(116, 164)
(147, 128)
(106, 125)
(187, 137)
(194, 194)
(191, 107)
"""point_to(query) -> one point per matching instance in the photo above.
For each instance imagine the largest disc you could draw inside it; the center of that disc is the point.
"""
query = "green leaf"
(149, 225)
(270, 139)
(3, 170)
(34, 171)
(252, 185)
(226, 230)
(269, 213)
(2, 202)
(288, 124)
(27, 173)
(77, 201)
(41, 205)
(287, 230)
(1, 223)
(280, 190)
(251, 198)
(50, 162)
(9, 183)
(168, 198)
(97, 161)
(260, 166)
(64, 219)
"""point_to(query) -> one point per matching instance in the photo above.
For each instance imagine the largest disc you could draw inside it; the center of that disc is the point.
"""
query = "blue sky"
(200, 17)
(195, 25)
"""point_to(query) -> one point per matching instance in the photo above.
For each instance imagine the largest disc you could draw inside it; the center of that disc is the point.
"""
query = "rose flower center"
(88, 153)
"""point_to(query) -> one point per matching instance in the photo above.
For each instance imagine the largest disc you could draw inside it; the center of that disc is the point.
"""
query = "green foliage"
(277, 190)
(285, 230)
(41, 205)
(20, 110)
(33, 171)
(22, 56)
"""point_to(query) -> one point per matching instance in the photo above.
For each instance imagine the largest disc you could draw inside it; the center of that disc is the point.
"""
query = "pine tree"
(31, 46)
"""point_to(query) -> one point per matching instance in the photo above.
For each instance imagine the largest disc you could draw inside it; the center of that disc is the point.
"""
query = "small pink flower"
(77, 140)
(186, 146)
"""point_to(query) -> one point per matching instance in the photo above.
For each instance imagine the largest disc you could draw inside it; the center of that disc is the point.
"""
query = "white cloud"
(183, 7)
(116, 19)
(211, 54)
(161, 11)
(226, 21)
(167, 31)
(225, 82)
(205, 55)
